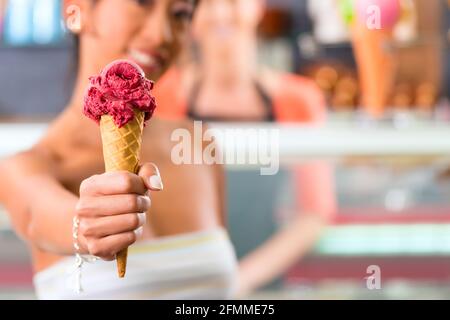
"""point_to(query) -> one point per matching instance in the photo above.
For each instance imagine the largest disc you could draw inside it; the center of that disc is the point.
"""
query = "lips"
(150, 62)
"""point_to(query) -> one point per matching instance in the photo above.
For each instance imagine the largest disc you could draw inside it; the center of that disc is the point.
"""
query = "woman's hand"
(112, 210)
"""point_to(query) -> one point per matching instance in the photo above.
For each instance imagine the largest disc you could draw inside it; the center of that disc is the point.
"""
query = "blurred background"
(393, 200)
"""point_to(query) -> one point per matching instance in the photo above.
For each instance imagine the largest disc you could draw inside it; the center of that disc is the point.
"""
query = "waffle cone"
(121, 149)
(376, 67)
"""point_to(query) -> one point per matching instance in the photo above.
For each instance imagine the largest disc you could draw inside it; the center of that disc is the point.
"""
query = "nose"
(157, 29)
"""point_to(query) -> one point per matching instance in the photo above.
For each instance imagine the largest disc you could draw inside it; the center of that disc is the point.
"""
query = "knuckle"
(150, 168)
(145, 204)
(95, 248)
(84, 228)
(78, 208)
(126, 182)
(132, 203)
(134, 221)
(85, 185)
(130, 238)
(146, 170)
(83, 207)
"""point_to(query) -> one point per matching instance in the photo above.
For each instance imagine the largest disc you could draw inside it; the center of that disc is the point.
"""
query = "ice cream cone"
(376, 67)
(121, 150)
(119, 99)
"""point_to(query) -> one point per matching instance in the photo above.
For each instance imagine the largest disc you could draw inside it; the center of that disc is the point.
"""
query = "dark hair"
(75, 53)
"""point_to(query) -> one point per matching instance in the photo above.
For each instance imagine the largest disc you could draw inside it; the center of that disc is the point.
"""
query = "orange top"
(299, 100)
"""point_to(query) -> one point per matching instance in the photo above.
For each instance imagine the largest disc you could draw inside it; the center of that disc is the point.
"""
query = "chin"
(154, 75)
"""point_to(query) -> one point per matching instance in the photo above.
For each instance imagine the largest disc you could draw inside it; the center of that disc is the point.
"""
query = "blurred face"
(149, 32)
(220, 22)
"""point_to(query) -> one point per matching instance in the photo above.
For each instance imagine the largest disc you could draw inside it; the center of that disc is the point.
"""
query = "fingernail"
(142, 218)
(138, 232)
(156, 182)
(145, 201)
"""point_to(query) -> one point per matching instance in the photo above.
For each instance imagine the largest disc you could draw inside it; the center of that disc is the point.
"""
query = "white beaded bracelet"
(79, 258)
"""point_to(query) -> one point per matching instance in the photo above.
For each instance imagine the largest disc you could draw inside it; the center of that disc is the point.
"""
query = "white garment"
(199, 265)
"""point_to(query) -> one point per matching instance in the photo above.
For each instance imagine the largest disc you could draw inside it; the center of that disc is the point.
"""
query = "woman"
(229, 85)
(183, 251)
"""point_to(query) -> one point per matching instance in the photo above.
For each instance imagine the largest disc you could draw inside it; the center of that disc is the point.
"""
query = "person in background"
(228, 84)
(182, 251)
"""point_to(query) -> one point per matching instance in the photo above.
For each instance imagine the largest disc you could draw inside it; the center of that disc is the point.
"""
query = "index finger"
(111, 183)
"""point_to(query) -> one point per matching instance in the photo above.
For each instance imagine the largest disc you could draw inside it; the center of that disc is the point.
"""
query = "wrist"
(82, 242)
(79, 241)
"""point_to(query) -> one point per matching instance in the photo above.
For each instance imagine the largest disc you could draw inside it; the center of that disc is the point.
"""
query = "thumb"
(149, 173)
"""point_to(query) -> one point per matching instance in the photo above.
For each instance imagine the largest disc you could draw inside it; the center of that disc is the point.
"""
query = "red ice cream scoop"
(120, 88)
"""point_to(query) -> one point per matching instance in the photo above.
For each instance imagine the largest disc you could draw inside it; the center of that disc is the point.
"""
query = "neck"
(76, 101)
(84, 72)
(233, 67)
